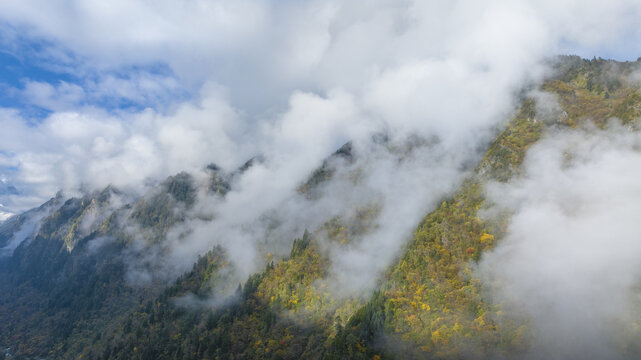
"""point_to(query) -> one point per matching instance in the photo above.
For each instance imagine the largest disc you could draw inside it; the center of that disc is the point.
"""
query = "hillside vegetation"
(61, 299)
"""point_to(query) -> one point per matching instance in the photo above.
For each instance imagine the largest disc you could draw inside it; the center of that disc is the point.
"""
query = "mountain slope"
(66, 294)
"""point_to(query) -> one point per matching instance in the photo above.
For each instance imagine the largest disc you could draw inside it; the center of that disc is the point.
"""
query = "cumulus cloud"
(570, 259)
(264, 50)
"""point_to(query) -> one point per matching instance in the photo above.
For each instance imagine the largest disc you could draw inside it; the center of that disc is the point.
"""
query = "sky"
(91, 87)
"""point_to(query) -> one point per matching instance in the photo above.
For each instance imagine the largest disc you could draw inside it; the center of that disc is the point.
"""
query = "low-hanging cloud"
(291, 81)
(571, 259)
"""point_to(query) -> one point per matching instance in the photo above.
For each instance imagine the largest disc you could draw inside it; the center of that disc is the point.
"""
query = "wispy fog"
(571, 259)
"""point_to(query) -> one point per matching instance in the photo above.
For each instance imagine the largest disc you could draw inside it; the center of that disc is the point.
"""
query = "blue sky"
(29, 62)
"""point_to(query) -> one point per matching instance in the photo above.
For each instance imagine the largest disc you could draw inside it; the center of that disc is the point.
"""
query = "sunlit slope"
(432, 303)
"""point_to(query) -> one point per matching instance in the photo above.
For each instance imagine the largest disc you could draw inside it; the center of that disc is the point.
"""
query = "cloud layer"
(289, 80)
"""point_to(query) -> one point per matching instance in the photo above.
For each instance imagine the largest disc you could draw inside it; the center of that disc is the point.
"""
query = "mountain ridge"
(428, 303)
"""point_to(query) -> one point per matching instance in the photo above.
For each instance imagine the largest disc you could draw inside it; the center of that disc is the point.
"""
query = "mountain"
(96, 276)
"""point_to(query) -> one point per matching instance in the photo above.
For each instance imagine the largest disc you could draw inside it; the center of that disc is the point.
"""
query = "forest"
(63, 297)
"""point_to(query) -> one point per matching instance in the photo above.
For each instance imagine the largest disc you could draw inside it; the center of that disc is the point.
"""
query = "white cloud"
(571, 257)
(292, 81)
(59, 98)
(264, 50)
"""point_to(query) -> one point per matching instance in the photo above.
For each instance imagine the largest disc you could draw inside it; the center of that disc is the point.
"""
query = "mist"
(290, 82)
(571, 258)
